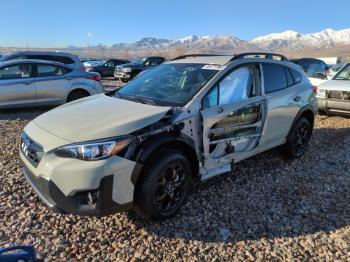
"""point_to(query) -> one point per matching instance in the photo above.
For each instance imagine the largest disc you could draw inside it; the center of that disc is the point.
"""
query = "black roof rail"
(194, 55)
(258, 54)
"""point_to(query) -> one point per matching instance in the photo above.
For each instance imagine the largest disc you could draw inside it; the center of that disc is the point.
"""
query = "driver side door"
(234, 114)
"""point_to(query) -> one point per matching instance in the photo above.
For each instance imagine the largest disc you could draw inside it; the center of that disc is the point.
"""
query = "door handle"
(220, 109)
(27, 83)
(297, 98)
(69, 78)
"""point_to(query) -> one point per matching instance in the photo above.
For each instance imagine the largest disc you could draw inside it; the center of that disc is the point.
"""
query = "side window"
(314, 68)
(110, 63)
(211, 99)
(237, 85)
(274, 78)
(16, 71)
(153, 61)
(43, 57)
(19, 57)
(296, 75)
(290, 80)
(49, 70)
(159, 60)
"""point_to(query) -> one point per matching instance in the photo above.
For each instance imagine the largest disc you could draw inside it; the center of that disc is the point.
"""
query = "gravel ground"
(268, 209)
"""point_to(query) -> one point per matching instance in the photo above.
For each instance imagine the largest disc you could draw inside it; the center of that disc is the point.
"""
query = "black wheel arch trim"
(156, 142)
(300, 113)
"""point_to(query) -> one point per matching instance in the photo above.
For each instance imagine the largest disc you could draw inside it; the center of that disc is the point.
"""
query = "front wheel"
(298, 139)
(165, 185)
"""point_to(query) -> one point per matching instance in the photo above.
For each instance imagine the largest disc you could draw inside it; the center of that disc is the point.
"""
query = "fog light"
(92, 198)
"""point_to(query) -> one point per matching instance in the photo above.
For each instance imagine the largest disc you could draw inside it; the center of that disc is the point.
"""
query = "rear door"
(283, 89)
(52, 83)
(17, 87)
(234, 113)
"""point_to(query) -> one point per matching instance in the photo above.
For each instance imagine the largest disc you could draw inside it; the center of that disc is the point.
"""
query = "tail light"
(314, 89)
(96, 77)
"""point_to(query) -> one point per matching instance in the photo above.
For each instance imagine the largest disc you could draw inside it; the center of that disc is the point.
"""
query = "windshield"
(343, 74)
(139, 60)
(169, 84)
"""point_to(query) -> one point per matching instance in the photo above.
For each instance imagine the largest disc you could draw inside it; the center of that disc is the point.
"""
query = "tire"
(298, 139)
(100, 73)
(165, 185)
(124, 80)
(77, 94)
(322, 112)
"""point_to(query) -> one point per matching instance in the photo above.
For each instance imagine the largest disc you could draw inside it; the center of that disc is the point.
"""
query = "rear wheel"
(77, 94)
(165, 185)
(298, 139)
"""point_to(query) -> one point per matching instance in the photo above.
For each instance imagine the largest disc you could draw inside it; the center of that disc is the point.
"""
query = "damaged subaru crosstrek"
(180, 123)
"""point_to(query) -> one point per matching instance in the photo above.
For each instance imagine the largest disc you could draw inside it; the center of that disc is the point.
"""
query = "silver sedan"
(36, 83)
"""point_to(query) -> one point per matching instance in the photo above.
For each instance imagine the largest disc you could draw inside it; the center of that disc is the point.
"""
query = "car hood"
(336, 85)
(131, 65)
(98, 117)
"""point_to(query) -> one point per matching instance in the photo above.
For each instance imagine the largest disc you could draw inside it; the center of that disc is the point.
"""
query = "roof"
(217, 60)
(224, 59)
(58, 53)
(35, 61)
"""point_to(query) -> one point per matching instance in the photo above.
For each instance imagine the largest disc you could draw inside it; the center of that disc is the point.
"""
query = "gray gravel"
(268, 209)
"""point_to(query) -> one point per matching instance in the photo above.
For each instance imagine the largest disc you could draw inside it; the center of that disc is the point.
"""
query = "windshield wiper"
(140, 99)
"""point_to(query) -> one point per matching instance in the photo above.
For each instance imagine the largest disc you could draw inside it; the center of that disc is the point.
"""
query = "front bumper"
(89, 188)
(122, 75)
(53, 197)
(333, 105)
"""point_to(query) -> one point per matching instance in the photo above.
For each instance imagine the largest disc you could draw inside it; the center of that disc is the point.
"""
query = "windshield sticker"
(212, 67)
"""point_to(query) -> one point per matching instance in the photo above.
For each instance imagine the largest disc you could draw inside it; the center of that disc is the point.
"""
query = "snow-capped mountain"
(279, 42)
(328, 38)
(191, 43)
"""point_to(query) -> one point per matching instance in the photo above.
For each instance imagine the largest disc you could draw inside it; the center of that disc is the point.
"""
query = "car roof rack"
(194, 55)
(258, 55)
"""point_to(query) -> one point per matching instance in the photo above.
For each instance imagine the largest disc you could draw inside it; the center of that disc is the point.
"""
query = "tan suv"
(186, 120)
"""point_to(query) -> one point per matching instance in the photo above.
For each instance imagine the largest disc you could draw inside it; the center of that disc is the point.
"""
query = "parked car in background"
(334, 69)
(316, 69)
(90, 62)
(60, 57)
(36, 83)
(184, 121)
(334, 95)
(130, 70)
(105, 67)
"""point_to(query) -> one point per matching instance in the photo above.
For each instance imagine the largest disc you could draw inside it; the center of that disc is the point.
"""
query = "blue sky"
(45, 23)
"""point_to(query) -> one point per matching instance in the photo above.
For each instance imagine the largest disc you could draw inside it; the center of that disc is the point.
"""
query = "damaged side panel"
(235, 130)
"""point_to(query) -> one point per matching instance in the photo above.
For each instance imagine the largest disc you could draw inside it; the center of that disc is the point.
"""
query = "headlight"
(95, 150)
(321, 93)
(127, 70)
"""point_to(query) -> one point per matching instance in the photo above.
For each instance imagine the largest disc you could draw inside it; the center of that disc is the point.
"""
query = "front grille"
(338, 95)
(31, 150)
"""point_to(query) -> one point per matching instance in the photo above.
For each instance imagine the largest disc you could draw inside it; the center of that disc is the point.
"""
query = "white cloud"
(90, 34)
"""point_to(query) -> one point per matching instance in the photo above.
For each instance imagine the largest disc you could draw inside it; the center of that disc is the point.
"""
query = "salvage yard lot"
(267, 209)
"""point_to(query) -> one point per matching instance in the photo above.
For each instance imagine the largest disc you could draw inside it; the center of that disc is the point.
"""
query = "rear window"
(65, 60)
(274, 78)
